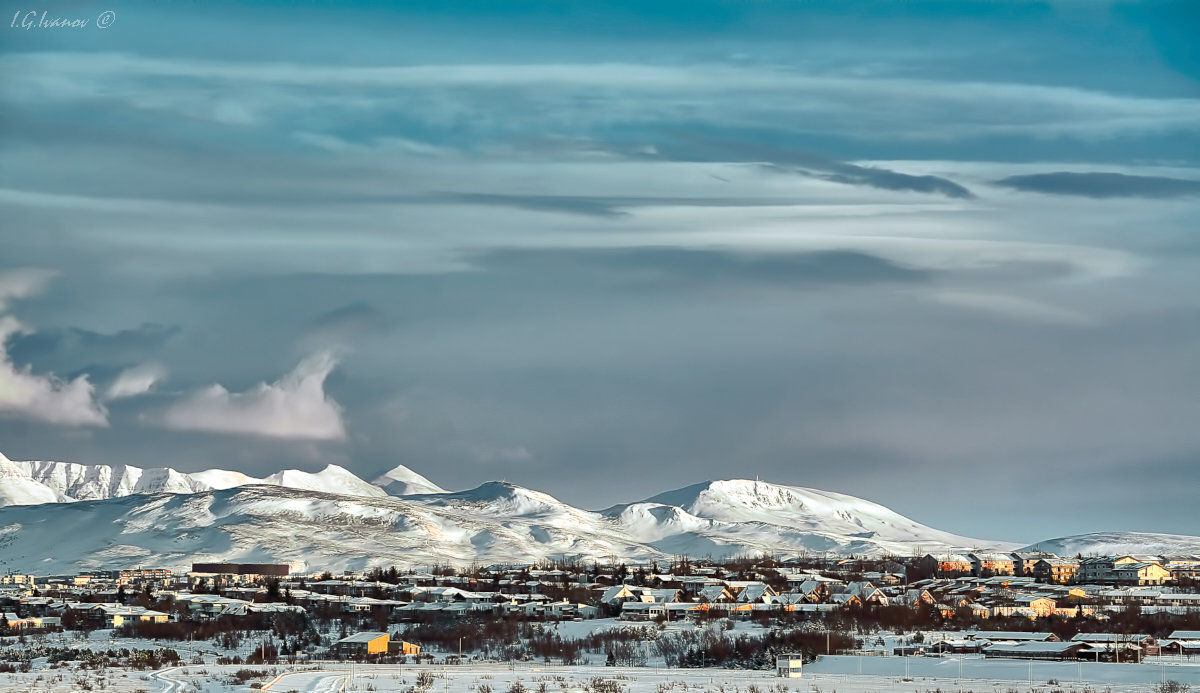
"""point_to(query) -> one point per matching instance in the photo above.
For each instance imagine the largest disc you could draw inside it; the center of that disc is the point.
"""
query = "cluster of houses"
(1047, 567)
(976, 585)
(817, 593)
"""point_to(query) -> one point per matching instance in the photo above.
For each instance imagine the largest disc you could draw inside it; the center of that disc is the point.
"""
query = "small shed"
(789, 666)
(401, 647)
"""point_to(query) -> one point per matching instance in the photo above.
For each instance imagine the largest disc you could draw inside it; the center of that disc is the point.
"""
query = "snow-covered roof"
(1032, 647)
(363, 637)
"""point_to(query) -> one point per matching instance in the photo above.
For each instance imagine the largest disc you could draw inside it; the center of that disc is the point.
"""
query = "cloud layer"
(588, 245)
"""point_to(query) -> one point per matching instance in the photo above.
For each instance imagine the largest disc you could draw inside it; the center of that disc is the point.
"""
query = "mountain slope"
(16, 488)
(310, 529)
(1115, 543)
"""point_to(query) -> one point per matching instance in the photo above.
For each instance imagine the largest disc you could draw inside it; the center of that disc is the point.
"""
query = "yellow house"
(1042, 606)
(153, 617)
(1141, 574)
(115, 618)
(367, 643)
(14, 621)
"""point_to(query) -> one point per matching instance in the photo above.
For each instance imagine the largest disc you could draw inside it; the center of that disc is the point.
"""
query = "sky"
(941, 255)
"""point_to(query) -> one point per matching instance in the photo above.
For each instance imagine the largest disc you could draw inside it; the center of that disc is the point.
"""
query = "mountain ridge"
(42, 481)
(332, 519)
(1118, 542)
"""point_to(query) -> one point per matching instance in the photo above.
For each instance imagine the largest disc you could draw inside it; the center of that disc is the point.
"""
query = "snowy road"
(310, 682)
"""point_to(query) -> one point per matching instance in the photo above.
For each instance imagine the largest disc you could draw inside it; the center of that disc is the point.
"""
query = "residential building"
(1140, 574)
(1057, 570)
(991, 564)
(360, 644)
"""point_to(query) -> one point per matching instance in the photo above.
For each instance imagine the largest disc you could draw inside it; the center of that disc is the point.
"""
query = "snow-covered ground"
(832, 674)
(827, 675)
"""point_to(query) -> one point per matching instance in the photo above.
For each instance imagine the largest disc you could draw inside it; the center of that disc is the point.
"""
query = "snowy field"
(827, 675)
(836, 674)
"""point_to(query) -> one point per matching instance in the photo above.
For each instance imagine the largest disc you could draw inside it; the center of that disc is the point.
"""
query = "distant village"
(1019, 605)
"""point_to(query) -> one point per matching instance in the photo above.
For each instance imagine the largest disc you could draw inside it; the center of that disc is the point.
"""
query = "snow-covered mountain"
(333, 519)
(760, 514)
(27, 483)
(307, 528)
(1115, 543)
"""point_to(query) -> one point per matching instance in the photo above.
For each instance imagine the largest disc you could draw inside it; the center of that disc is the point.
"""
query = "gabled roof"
(1109, 637)
(616, 592)
(363, 637)
(1013, 635)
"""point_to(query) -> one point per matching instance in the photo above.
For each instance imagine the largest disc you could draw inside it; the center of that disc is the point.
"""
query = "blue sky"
(925, 253)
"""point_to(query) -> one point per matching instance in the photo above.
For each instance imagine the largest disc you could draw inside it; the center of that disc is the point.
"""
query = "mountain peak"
(331, 479)
(402, 481)
(503, 497)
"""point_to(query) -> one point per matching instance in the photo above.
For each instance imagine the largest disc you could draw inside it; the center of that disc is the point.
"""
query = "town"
(741, 613)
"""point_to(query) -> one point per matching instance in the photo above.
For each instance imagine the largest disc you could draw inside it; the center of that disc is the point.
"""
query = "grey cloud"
(1102, 185)
(352, 316)
(145, 337)
(602, 205)
(72, 348)
(571, 204)
(784, 158)
(891, 180)
(662, 266)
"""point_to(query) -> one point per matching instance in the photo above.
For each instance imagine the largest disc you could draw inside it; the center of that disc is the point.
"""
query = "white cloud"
(294, 407)
(135, 381)
(22, 283)
(43, 397)
(26, 395)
